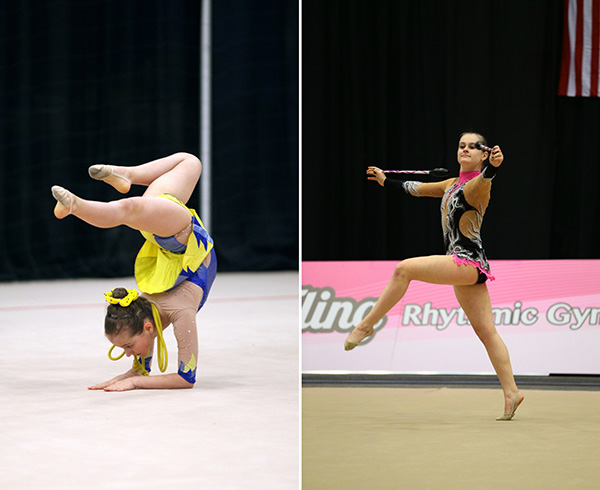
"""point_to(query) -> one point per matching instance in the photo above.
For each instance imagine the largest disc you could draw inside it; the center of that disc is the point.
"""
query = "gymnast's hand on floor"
(123, 385)
(100, 386)
(122, 377)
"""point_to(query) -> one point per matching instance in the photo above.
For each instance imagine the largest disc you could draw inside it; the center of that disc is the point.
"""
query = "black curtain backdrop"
(255, 143)
(394, 83)
(84, 82)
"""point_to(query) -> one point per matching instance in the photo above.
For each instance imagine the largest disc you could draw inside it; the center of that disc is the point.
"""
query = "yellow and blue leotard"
(164, 269)
(163, 263)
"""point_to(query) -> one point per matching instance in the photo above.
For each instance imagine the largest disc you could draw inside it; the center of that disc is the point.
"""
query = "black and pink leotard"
(464, 201)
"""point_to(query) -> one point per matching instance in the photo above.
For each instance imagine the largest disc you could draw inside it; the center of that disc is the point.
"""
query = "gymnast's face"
(469, 157)
(135, 345)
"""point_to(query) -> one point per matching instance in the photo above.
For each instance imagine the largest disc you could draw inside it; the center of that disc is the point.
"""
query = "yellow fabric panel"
(156, 269)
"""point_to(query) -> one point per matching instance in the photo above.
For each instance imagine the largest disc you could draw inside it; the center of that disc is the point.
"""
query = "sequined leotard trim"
(461, 225)
(461, 219)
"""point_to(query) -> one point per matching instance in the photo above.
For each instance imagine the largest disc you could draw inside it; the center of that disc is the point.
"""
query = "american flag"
(581, 49)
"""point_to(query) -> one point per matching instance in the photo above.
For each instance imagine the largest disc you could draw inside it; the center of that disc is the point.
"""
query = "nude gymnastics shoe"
(351, 345)
(65, 199)
(516, 402)
(107, 173)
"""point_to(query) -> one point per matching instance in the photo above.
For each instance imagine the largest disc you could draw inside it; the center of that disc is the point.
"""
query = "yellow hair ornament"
(132, 295)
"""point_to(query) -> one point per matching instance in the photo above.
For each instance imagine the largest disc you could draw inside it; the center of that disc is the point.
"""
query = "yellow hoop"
(161, 347)
(114, 358)
(139, 365)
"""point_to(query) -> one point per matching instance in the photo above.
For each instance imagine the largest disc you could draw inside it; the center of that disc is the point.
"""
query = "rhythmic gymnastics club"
(480, 146)
(436, 172)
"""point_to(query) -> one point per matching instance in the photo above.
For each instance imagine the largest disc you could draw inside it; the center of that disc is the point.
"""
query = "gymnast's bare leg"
(473, 298)
(435, 269)
(475, 302)
(176, 174)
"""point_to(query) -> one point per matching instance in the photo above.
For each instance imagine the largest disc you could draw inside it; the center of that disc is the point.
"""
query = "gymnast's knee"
(487, 335)
(402, 271)
(129, 206)
(192, 161)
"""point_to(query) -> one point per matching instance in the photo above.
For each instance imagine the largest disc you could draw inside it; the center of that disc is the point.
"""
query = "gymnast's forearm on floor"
(162, 381)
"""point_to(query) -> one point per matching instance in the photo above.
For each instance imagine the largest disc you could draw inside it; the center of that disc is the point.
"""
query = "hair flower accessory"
(132, 295)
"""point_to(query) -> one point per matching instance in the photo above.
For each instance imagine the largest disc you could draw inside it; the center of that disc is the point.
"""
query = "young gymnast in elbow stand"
(175, 268)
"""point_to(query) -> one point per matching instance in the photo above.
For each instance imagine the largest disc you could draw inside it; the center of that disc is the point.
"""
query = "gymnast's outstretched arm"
(417, 189)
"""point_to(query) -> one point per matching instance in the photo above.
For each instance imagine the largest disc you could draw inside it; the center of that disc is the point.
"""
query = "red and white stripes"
(581, 49)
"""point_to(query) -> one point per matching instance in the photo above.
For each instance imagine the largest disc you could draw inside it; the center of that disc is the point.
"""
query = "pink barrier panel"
(547, 312)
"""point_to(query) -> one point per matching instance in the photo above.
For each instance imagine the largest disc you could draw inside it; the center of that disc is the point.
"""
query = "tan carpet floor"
(448, 438)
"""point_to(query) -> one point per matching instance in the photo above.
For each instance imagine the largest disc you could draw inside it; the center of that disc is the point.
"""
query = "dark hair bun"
(130, 318)
(119, 293)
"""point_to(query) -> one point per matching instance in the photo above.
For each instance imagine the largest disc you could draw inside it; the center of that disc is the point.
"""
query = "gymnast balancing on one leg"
(465, 266)
(175, 268)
